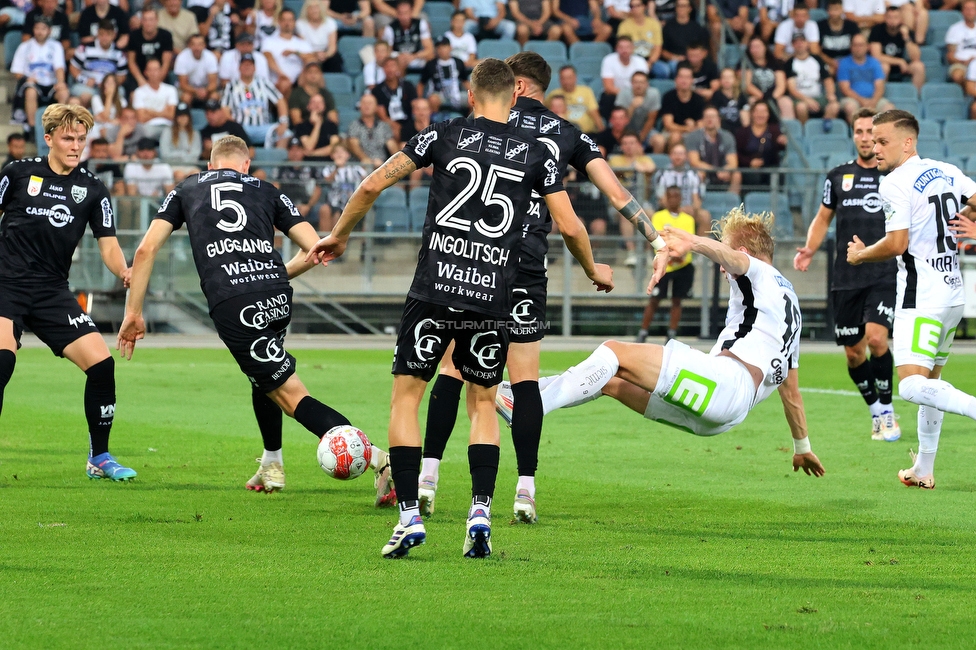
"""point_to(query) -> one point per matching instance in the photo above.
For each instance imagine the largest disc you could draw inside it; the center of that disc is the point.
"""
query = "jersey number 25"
(489, 196)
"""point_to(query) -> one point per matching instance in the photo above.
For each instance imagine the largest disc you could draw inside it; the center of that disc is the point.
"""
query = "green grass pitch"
(647, 536)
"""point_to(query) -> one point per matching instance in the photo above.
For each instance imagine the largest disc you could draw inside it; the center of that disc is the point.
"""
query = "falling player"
(863, 299)
(47, 203)
(921, 198)
(707, 394)
(246, 286)
(484, 173)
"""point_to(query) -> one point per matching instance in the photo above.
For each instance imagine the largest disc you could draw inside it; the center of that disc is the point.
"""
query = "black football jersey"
(851, 191)
(231, 220)
(44, 217)
(484, 176)
(570, 146)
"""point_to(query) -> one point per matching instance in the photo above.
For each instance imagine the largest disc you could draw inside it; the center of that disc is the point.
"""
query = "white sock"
(429, 467)
(408, 513)
(938, 394)
(545, 381)
(929, 428)
(480, 504)
(375, 456)
(271, 457)
(581, 383)
(876, 409)
(526, 483)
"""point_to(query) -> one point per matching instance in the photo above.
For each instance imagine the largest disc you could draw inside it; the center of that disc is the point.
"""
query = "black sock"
(483, 460)
(526, 425)
(268, 415)
(7, 362)
(442, 411)
(405, 468)
(317, 417)
(100, 405)
(864, 380)
(881, 368)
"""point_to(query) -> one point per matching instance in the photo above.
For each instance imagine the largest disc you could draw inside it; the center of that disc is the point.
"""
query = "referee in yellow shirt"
(680, 275)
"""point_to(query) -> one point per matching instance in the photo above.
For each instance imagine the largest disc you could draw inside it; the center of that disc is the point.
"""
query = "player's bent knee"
(910, 388)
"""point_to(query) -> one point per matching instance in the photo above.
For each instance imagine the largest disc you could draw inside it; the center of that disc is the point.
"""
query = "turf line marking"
(835, 391)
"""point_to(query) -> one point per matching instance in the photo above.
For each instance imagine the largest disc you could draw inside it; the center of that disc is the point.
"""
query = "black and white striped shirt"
(249, 102)
(687, 179)
(94, 62)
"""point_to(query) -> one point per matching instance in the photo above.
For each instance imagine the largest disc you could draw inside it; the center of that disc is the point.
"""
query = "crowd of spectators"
(257, 72)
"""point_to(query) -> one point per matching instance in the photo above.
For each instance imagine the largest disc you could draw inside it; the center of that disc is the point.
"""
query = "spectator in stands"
(769, 16)
(370, 139)
(970, 87)
(196, 73)
(759, 146)
(736, 14)
(394, 97)
(410, 38)
(866, 13)
(93, 62)
(147, 177)
(636, 171)
(703, 69)
(665, 10)
(581, 104)
(712, 149)
(318, 134)
(960, 42)
(106, 108)
(180, 143)
(310, 82)
(680, 174)
(39, 68)
(915, 14)
(149, 42)
(12, 13)
(894, 45)
(644, 29)
(297, 181)
(422, 113)
(342, 178)
(373, 71)
(155, 101)
(179, 22)
(580, 19)
(263, 21)
(557, 104)
(798, 23)
(642, 103)
(616, 70)
(811, 91)
(609, 139)
(861, 80)
(219, 26)
(109, 173)
(230, 61)
(218, 126)
(681, 107)
(287, 53)
(764, 77)
(58, 24)
(321, 32)
(353, 16)
(91, 19)
(680, 33)
(835, 34)
(486, 19)
(614, 12)
(444, 82)
(731, 102)
(533, 21)
(16, 148)
(463, 45)
(129, 133)
(249, 99)
(385, 12)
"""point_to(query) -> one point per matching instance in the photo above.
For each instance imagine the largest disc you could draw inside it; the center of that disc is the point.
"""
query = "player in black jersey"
(519, 400)
(246, 286)
(484, 173)
(47, 203)
(864, 298)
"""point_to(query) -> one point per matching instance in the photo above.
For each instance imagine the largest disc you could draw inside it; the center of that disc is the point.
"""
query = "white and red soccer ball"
(345, 452)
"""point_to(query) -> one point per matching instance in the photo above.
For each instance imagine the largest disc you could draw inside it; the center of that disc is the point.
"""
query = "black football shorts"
(527, 323)
(853, 308)
(51, 313)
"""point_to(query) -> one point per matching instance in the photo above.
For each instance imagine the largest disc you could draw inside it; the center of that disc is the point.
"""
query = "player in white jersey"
(707, 394)
(920, 198)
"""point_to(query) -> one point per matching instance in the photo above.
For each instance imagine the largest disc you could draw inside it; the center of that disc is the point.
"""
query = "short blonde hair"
(754, 232)
(66, 116)
(227, 146)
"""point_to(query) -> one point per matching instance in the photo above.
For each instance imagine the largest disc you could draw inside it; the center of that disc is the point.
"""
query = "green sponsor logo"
(691, 392)
(925, 338)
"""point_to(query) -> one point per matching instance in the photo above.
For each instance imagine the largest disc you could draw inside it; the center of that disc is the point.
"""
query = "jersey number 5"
(943, 213)
(220, 203)
(489, 196)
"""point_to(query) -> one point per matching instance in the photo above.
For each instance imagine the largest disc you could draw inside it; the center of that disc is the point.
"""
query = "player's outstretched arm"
(574, 234)
(893, 244)
(789, 392)
(681, 242)
(304, 236)
(815, 236)
(134, 325)
(398, 167)
(114, 259)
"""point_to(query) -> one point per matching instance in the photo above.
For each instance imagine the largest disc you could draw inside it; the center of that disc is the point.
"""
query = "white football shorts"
(922, 337)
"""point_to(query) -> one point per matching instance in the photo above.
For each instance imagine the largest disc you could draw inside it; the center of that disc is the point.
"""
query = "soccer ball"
(344, 452)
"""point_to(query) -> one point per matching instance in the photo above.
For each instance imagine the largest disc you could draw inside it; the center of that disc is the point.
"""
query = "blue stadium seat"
(338, 82)
(439, 10)
(912, 106)
(941, 90)
(939, 24)
(349, 47)
(418, 207)
(719, 203)
(946, 109)
(959, 161)
(273, 155)
(661, 160)
(199, 118)
(827, 144)
(818, 14)
(438, 26)
(42, 148)
(957, 129)
(792, 128)
(345, 101)
(960, 147)
(931, 148)
(838, 159)
(663, 85)
(931, 55)
(763, 202)
(814, 128)
(930, 129)
(392, 214)
(586, 67)
(548, 49)
(596, 85)
(554, 82)
(358, 85)
(346, 117)
(294, 5)
(497, 49)
(729, 56)
(586, 50)
(10, 42)
(896, 91)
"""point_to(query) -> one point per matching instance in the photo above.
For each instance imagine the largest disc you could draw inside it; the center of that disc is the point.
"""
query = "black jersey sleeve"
(550, 180)
(171, 209)
(829, 191)
(6, 178)
(418, 149)
(101, 218)
(286, 214)
(585, 150)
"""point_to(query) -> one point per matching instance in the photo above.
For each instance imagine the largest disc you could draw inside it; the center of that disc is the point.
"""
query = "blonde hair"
(754, 232)
(228, 146)
(304, 13)
(66, 116)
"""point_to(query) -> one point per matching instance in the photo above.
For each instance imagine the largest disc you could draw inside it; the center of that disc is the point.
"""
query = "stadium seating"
(661, 160)
(586, 67)
(439, 27)
(829, 143)
(941, 90)
(663, 85)
(946, 109)
(719, 203)
(912, 106)
(729, 56)
(939, 24)
(930, 129)
(931, 56)
(959, 161)
(838, 159)
(957, 129)
(792, 128)
(338, 82)
(550, 50)
(273, 155)
(960, 147)
(294, 5)
(10, 42)
(586, 50)
(818, 14)
(349, 47)
(438, 11)
(392, 214)
(199, 117)
(931, 148)
(42, 148)
(418, 207)
(596, 85)
(497, 49)
(897, 91)
(763, 202)
(814, 128)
